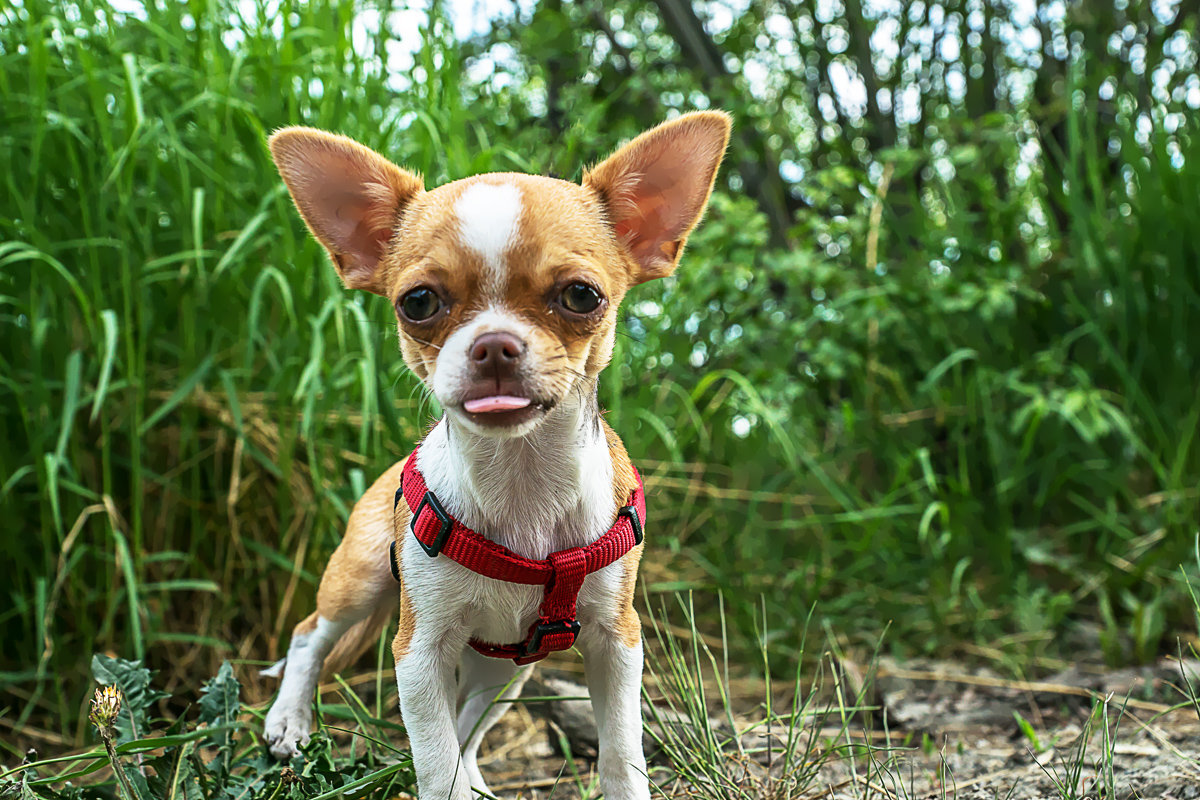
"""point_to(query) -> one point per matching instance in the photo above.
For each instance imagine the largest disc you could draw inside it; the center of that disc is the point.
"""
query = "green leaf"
(179, 395)
(175, 776)
(108, 318)
(134, 682)
(220, 703)
(137, 780)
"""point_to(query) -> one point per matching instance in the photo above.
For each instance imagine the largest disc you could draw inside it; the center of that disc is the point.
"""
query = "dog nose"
(498, 349)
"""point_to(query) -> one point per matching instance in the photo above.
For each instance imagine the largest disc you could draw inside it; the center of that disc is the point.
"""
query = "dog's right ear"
(349, 196)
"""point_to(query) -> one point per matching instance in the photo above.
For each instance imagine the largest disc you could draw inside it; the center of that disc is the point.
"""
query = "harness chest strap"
(562, 573)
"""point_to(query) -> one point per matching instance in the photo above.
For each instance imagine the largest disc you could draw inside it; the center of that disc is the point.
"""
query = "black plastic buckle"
(631, 512)
(395, 565)
(534, 645)
(430, 499)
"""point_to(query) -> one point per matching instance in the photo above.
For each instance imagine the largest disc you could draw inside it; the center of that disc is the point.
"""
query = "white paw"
(287, 729)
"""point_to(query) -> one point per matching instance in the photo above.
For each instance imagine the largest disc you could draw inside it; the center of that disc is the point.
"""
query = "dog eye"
(579, 298)
(419, 305)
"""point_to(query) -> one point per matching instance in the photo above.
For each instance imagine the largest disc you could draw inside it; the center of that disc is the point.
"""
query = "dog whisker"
(425, 342)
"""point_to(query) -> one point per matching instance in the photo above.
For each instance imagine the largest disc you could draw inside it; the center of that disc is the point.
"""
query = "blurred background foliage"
(929, 366)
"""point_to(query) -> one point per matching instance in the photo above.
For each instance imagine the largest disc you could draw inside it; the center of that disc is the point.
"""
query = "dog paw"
(286, 730)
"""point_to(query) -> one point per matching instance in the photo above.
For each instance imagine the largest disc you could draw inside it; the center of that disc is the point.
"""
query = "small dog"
(515, 528)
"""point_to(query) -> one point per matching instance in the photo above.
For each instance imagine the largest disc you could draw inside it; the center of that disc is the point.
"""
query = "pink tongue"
(500, 402)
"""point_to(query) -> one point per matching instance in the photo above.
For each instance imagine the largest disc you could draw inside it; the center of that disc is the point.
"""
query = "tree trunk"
(756, 163)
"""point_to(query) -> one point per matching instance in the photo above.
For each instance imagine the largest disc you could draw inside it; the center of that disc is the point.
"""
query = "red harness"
(562, 573)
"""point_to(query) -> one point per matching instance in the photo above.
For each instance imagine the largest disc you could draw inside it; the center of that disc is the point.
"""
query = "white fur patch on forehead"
(488, 218)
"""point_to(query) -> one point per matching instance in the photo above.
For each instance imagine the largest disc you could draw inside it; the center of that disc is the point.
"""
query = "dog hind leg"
(483, 684)
(289, 721)
(356, 600)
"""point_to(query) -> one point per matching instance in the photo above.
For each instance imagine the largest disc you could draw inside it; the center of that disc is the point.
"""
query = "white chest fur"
(535, 495)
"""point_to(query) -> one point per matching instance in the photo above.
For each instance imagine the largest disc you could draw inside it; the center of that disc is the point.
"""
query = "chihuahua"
(519, 517)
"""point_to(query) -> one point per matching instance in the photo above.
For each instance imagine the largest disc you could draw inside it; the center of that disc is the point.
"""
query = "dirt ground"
(938, 731)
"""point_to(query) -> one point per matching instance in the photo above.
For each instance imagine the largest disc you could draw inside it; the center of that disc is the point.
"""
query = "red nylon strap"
(562, 572)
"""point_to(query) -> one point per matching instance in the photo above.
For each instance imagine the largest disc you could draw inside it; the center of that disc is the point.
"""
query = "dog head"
(505, 286)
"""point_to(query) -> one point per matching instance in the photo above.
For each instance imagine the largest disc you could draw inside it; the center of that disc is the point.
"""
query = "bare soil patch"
(935, 730)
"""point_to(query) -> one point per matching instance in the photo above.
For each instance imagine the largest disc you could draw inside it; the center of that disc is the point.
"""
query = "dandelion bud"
(106, 702)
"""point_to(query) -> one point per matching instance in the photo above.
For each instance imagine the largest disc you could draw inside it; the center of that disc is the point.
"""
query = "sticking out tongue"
(499, 402)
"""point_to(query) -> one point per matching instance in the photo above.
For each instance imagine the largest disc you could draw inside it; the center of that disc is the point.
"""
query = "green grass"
(190, 403)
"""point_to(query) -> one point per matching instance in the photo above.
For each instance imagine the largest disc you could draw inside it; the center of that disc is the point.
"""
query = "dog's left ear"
(656, 187)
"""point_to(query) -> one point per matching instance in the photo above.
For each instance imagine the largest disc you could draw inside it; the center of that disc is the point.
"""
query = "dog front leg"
(614, 677)
(425, 680)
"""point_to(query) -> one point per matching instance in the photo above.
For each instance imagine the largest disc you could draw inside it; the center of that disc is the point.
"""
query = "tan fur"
(624, 479)
(358, 640)
(306, 625)
(628, 625)
(351, 582)
(356, 562)
(406, 628)
(408, 618)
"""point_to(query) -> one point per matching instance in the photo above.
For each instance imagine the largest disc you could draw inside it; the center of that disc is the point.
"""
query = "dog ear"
(349, 196)
(656, 187)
